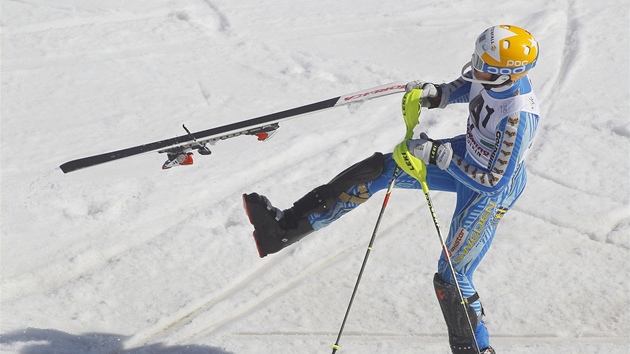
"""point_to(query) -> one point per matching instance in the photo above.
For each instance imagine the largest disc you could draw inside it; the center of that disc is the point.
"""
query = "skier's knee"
(361, 172)
(323, 197)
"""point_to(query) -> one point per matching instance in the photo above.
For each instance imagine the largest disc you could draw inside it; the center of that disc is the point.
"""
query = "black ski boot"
(273, 229)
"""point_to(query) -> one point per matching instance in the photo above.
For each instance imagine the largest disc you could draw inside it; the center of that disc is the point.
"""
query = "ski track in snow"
(202, 321)
(183, 326)
(175, 328)
(570, 48)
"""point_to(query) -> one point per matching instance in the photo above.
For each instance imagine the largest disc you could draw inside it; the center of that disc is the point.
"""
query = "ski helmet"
(507, 52)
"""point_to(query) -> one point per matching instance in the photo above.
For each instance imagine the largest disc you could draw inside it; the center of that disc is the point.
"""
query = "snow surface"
(127, 258)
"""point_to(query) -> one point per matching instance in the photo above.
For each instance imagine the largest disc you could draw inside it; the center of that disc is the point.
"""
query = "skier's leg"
(357, 194)
(470, 235)
(275, 229)
(344, 201)
(347, 187)
(472, 230)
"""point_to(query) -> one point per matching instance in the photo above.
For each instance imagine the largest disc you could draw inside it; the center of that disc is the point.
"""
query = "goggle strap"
(498, 81)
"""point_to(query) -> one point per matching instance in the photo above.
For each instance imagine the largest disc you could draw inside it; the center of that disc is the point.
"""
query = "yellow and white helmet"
(505, 51)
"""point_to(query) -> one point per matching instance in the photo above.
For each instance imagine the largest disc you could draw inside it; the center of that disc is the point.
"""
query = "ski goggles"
(514, 67)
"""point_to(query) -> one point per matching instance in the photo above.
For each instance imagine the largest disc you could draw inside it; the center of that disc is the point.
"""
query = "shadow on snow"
(48, 341)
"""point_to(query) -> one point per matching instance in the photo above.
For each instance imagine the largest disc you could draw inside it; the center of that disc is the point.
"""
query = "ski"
(262, 127)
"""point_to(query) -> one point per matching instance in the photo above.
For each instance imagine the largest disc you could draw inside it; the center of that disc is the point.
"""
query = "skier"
(484, 167)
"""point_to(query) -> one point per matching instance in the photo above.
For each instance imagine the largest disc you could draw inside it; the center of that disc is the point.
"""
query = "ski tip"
(67, 167)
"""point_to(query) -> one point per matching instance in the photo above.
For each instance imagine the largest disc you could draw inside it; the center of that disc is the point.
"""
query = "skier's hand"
(431, 151)
(431, 94)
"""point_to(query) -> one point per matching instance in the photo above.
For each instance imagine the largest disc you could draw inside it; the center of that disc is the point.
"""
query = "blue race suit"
(487, 172)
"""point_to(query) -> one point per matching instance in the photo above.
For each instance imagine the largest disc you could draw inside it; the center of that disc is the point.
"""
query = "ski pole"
(417, 169)
(365, 259)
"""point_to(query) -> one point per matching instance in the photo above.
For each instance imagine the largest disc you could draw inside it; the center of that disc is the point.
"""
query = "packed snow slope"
(125, 257)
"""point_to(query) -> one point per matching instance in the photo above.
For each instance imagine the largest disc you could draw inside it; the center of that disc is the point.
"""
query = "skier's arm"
(513, 139)
(441, 95)
(457, 91)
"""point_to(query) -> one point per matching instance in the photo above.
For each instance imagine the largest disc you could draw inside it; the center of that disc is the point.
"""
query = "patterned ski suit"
(487, 172)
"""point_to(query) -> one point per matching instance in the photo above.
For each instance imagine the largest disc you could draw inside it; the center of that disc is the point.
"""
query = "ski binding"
(182, 155)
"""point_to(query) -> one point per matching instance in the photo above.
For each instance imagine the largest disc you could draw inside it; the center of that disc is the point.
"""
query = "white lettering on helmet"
(517, 63)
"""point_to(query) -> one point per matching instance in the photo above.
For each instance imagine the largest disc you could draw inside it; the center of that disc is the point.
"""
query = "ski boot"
(459, 331)
(273, 229)
(178, 159)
